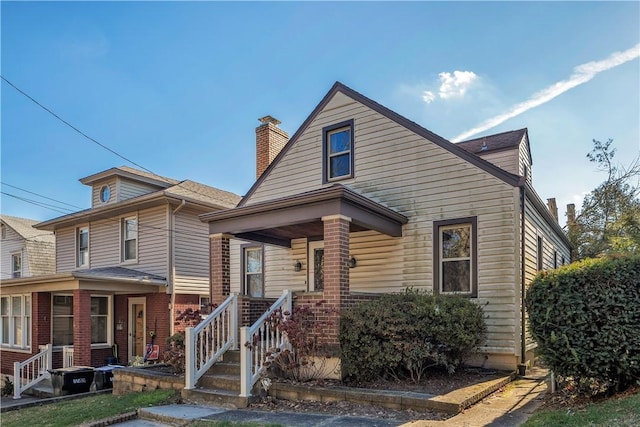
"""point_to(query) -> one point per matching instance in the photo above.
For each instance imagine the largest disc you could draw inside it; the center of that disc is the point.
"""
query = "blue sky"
(178, 87)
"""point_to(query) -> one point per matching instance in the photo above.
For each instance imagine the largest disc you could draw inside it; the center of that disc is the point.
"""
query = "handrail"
(252, 356)
(31, 371)
(208, 341)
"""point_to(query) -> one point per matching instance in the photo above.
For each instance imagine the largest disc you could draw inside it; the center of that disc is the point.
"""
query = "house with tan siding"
(361, 201)
(122, 269)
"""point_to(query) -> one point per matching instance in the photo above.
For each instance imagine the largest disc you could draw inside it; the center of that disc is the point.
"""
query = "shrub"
(586, 320)
(308, 353)
(407, 333)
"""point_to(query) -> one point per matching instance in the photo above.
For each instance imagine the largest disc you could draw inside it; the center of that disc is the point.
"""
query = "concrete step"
(43, 389)
(221, 381)
(225, 368)
(216, 397)
(231, 356)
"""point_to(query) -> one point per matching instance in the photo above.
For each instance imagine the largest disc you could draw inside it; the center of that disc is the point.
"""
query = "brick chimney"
(571, 216)
(553, 207)
(270, 140)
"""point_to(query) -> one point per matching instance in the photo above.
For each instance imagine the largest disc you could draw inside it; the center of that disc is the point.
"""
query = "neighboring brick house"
(123, 269)
(361, 201)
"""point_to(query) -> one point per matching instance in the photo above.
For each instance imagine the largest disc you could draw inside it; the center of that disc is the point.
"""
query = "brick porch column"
(336, 268)
(219, 277)
(81, 327)
(40, 320)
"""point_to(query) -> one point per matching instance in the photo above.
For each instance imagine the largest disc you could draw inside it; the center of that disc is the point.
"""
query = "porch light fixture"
(352, 262)
(297, 266)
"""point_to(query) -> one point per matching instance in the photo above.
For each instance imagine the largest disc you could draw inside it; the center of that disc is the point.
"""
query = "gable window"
(16, 265)
(252, 271)
(455, 256)
(129, 238)
(15, 319)
(337, 150)
(83, 247)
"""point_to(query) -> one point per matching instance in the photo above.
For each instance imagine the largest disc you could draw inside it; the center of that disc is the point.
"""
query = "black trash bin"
(103, 377)
(76, 379)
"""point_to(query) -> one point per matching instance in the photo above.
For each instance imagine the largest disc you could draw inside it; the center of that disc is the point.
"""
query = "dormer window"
(105, 193)
(337, 148)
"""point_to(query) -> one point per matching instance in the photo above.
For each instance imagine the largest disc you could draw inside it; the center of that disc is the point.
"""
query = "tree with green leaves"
(609, 221)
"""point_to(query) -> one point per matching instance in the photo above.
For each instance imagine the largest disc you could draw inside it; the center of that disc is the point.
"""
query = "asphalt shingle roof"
(499, 141)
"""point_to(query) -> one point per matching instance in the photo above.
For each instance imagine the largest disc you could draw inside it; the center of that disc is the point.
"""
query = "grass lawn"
(78, 411)
(622, 411)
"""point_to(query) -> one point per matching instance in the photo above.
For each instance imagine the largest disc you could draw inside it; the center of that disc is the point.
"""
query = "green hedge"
(586, 320)
(405, 334)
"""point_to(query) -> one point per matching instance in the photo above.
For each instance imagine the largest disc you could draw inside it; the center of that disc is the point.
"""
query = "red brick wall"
(336, 270)
(182, 302)
(81, 327)
(270, 140)
(220, 279)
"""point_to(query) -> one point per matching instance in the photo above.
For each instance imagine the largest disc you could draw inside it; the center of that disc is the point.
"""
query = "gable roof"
(131, 173)
(24, 228)
(393, 116)
(497, 142)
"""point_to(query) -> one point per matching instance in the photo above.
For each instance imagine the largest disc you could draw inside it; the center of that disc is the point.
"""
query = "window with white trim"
(129, 238)
(455, 256)
(337, 149)
(100, 320)
(16, 265)
(82, 243)
(15, 316)
(252, 266)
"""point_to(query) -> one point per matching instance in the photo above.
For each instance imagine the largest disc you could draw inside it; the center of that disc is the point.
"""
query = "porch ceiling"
(281, 220)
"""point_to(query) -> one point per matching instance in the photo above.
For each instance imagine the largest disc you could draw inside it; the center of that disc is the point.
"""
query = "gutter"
(523, 336)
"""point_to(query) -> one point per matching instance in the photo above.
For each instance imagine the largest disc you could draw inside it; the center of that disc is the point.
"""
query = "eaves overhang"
(542, 209)
(112, 210)
(280, 220)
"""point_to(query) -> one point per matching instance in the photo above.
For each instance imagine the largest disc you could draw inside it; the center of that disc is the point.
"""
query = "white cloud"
(455, 85)
(428, 96)
(581, 74)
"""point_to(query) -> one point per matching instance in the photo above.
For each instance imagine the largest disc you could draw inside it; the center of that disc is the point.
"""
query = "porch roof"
(108, 279)
(280, 220)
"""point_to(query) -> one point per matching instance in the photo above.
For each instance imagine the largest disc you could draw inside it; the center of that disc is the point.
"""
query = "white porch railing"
(253, 356)
(31, 371)
(67, 356)
(208, 341)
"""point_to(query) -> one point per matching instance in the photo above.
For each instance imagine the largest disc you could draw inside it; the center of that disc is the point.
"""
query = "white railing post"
(234, 323)
(190, 358)
(245, 362)
(49, 349)
(289, 301)
(17, 381)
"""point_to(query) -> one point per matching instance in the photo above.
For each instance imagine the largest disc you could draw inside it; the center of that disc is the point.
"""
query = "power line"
(72, 126)
(40, 195)
(37, 203)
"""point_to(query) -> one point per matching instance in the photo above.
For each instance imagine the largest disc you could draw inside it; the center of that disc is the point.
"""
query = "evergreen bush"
(404, 334)
(586, 320)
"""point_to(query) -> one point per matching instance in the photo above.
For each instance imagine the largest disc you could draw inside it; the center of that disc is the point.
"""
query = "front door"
(316, 265)
(137, 327)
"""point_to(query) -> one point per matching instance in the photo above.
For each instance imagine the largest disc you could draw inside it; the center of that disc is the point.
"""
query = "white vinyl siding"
(128, 189)
(66, 250)
(95, 192)
(191, 253)
(504, 159)
(106, 244)
(425, 182)
(524, 160)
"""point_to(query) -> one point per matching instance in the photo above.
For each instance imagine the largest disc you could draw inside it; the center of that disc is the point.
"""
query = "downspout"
(172, 268)
(523, 335)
